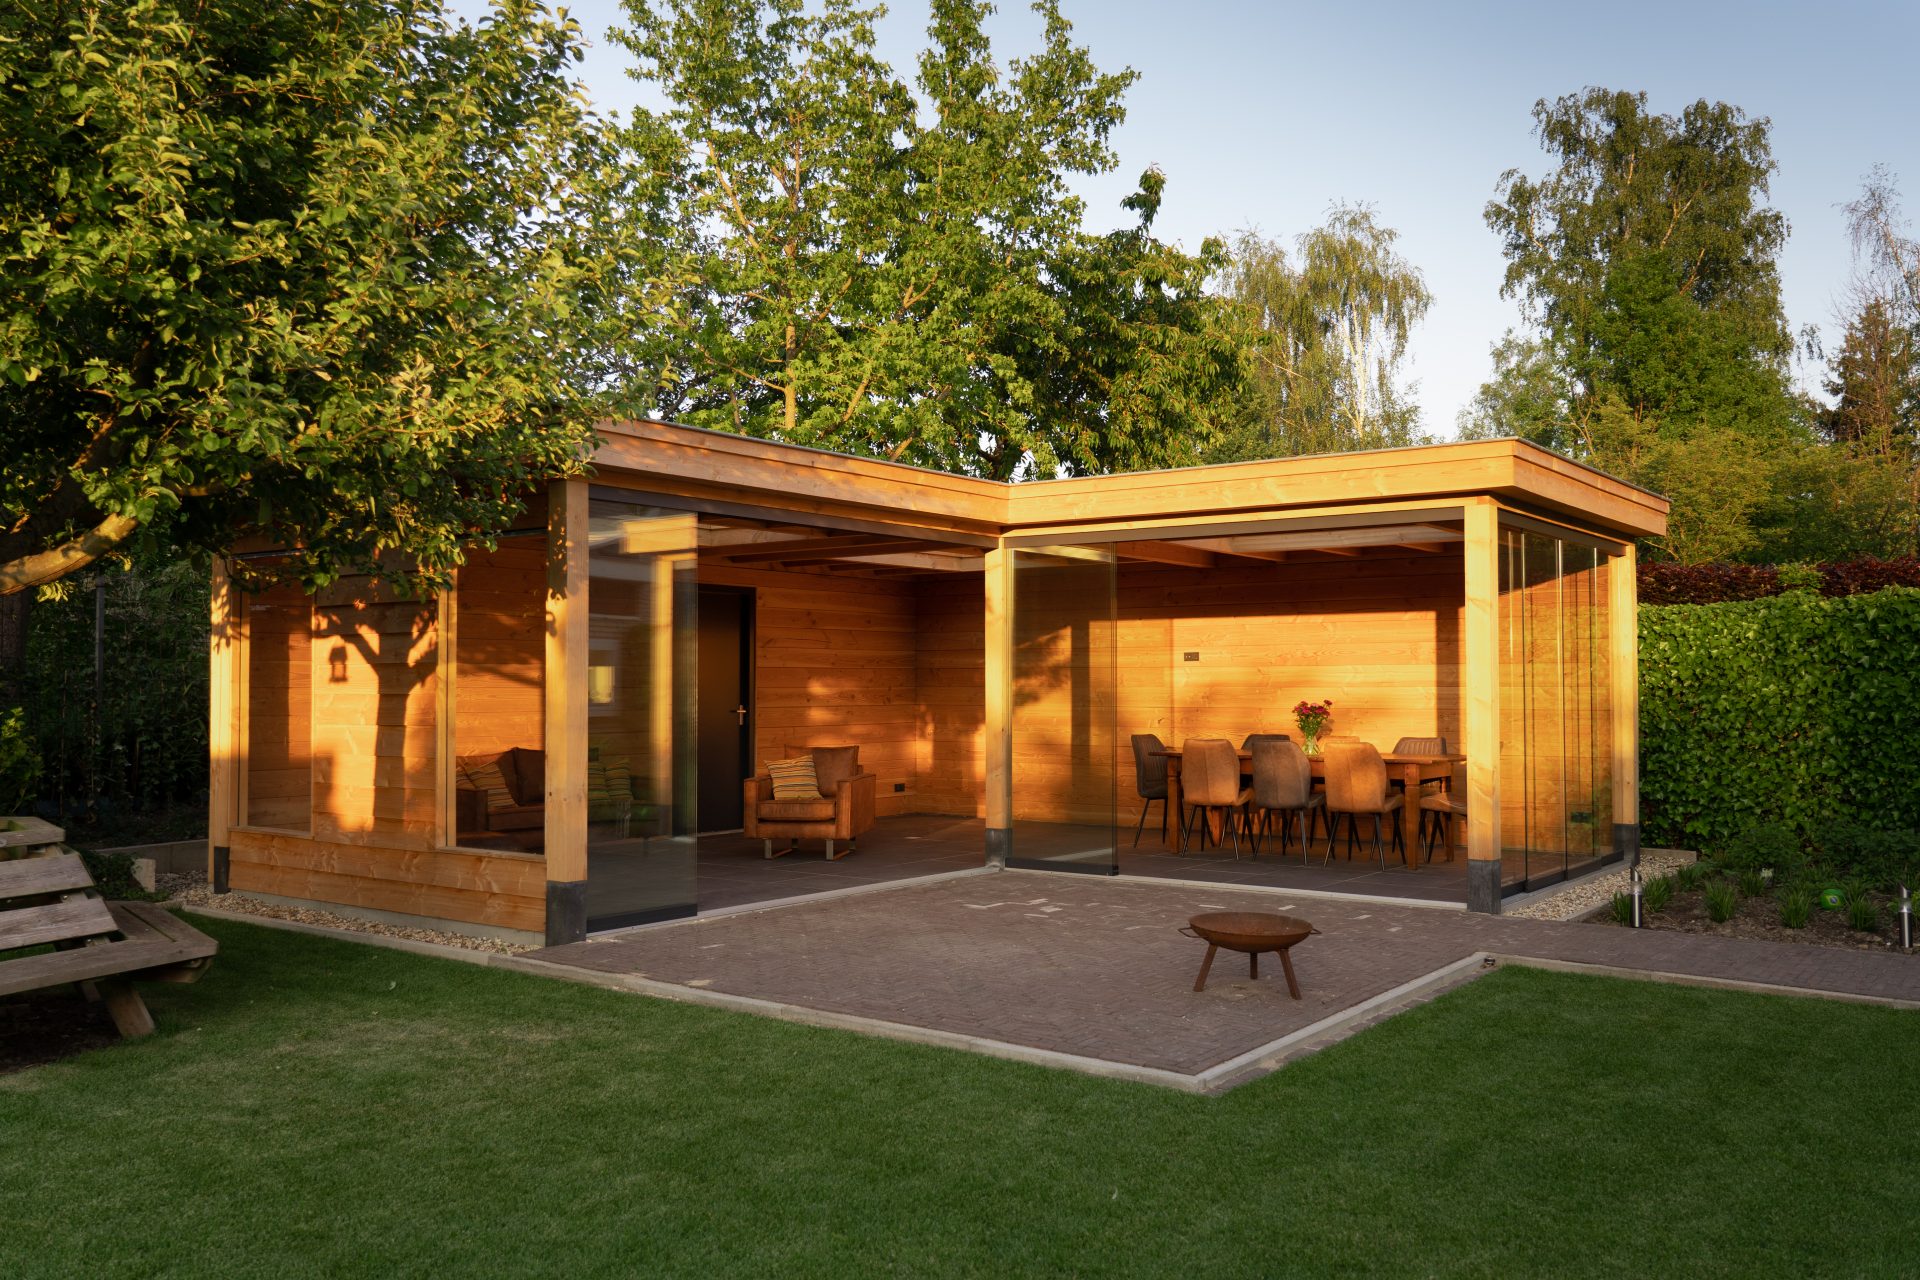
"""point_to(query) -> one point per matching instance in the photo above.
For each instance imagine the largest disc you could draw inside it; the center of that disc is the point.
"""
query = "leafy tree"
(1526, 399)
(315, 271)
(1328, 337)
(1647, 260)
(899, 270)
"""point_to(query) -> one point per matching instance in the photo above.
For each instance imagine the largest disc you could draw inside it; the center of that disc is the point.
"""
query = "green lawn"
(315, 1107)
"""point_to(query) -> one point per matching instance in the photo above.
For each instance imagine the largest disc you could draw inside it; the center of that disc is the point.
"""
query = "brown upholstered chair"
(1421, 747)
(1357, 787)
(1283, 785)
(1149, 781)
(1209, 781)
(842, 811)
(1438, 810)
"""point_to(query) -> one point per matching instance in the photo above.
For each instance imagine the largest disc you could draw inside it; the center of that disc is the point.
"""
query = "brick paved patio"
(1094, 968)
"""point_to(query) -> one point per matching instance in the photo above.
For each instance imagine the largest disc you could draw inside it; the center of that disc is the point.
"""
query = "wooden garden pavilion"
(545, 748)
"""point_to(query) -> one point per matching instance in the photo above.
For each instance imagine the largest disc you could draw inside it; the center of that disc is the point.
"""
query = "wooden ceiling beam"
(834, 547)
(1176, 553)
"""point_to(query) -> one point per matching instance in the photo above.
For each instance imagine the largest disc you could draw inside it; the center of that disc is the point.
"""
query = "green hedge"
(1799, 710)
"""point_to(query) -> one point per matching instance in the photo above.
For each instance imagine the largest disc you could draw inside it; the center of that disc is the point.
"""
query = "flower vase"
(1310, 742)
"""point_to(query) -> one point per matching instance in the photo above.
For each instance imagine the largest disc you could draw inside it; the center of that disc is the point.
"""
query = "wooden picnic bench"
(48, 899)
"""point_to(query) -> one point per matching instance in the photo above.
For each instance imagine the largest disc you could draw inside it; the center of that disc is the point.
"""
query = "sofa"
(505, 792)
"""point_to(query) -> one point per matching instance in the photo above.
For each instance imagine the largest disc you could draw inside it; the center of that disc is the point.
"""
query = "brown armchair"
(843, 810)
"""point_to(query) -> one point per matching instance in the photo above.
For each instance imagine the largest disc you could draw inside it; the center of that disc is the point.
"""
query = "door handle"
(740, 715)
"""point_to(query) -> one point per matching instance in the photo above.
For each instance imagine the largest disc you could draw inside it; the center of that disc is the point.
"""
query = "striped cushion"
(485, 775)
(619, 779)
(794, 779)
(597, 782)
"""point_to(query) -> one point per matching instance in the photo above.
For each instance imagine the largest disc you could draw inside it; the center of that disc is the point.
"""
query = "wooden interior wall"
(279, 708)
(834, 663)
(1555, 701)
(1379, 634)
(950, 695)
(500, 638)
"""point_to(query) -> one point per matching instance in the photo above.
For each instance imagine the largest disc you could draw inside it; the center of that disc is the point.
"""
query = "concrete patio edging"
(1335, 895)
(1215, 1080)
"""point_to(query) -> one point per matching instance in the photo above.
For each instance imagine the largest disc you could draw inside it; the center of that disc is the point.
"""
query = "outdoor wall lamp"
(337, 664)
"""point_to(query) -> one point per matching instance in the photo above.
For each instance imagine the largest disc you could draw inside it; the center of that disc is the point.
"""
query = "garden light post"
(1906, 919)
(1633, 880)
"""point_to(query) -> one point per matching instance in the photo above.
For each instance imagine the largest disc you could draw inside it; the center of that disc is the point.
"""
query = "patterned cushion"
(597, 792)
(483, 773)
(619, 778)
(794, 779)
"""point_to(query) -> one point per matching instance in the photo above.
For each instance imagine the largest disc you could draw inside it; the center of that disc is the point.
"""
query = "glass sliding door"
(1065, 756)
(642, 686)
(1556, 728)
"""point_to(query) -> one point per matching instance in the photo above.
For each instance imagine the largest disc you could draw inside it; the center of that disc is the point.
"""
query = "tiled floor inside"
(1097, 968)
(734, 871)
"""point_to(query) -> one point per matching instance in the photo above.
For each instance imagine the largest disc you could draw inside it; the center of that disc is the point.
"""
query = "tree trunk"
(14, 609)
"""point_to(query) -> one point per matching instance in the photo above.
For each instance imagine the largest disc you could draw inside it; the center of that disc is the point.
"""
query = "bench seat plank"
(147, 950)
(61, 921)
(26, 877)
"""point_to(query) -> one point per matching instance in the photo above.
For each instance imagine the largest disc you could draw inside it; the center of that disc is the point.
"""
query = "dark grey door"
(726, 717)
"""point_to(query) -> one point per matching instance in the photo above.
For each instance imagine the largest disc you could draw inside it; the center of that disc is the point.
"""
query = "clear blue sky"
(1263, 114)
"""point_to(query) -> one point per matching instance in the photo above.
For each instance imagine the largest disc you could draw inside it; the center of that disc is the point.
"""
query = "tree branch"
(45, 566)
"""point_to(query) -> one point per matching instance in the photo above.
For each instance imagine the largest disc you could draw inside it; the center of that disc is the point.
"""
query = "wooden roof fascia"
(753, 477)
(792, 477)
(1189, 529)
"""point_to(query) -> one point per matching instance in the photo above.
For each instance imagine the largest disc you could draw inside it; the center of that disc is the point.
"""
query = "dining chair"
(1283, 785)
(1149, 781)
(1437, 814)
(1357, 787)
(1421, 747)
(1247, 744)
(1209, 781)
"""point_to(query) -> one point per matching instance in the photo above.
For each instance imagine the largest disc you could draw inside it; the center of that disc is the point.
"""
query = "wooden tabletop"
(1391, 757)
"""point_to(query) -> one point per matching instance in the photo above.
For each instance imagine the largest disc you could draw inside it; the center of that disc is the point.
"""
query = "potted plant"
(1313, 719)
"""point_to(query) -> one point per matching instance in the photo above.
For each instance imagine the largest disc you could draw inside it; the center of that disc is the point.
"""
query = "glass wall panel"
(279, 748)
(1555, 702)
(642, 701)
(1065, 747)
(499, 697)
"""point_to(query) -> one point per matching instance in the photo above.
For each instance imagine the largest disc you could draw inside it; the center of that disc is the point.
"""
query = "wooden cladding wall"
(501, 891)
(1378, 634)
(279, 708)
(834, 663)
(371, 666)
(500, 646)
(950, 695)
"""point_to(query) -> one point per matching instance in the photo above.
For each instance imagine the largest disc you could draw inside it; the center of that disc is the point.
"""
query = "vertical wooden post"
(1623, 638)
(566, 712)
(223, 722)
(999, 708)
(446, 746)
(1481, 648)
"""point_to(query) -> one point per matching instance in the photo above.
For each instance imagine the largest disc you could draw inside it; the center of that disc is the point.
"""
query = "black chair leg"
(1141, 825)
(1378, 848)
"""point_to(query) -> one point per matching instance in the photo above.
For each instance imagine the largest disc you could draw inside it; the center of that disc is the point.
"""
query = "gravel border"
(1589, 893)
(190, 889)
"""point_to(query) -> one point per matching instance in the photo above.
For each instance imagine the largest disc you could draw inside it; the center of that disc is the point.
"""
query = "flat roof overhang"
(719, 471)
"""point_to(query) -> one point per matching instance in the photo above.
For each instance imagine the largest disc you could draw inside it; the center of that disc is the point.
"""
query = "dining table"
(1411, 771)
